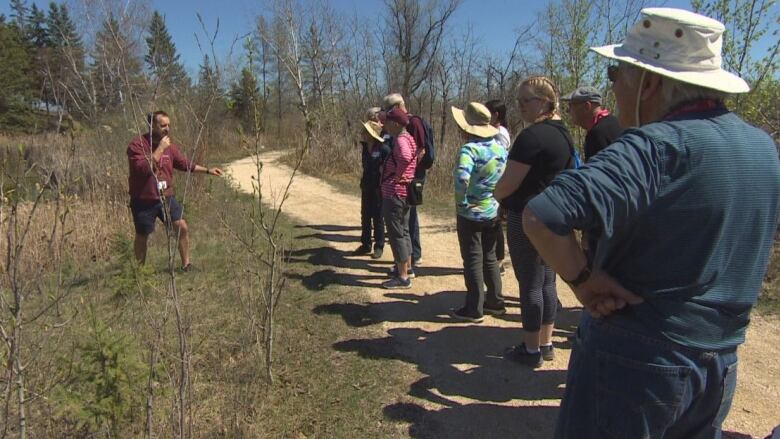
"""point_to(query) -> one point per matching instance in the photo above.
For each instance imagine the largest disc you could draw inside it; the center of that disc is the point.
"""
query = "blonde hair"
(542, 87)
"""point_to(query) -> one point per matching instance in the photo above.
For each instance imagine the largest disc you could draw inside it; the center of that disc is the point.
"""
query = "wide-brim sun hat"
(678, 44)
(374, 129)
(475, 120)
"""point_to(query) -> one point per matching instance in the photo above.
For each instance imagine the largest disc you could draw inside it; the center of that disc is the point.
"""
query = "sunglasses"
(612, 72)
(527, 100)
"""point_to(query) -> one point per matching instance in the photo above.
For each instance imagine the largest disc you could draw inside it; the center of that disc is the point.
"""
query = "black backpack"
(430, 151)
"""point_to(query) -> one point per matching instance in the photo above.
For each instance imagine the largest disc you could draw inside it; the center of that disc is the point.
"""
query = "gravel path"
(464, 388)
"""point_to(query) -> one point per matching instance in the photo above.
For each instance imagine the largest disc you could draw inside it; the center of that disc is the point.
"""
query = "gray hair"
(392, 100)
(373, 113)
(674, 92)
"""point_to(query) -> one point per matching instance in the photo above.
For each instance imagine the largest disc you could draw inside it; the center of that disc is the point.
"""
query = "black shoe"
(497, 311)
(187, 268)
(520, 355)
(548, 352)
(377, 253)
(394, 273)
(465, 316)
(362, 250)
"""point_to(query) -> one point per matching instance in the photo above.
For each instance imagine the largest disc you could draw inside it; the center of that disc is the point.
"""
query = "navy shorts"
(145, 213)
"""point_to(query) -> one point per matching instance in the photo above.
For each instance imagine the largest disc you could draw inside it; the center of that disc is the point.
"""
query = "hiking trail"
(464, 387)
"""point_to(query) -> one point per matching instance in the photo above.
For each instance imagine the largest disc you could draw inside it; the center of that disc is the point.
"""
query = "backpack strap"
(569, 140)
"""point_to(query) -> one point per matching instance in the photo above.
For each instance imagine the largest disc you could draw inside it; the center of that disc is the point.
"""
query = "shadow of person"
(332, 237)
(462, 362)
(408, 308)
(322, 279)
(330, 257)
(466, 421)
(328, 227)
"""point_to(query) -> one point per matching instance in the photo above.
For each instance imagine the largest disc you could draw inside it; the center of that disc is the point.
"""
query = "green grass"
(769, 301)
(319, 391)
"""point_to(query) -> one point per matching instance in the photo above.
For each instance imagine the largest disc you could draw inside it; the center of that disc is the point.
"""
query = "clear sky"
(494, 21)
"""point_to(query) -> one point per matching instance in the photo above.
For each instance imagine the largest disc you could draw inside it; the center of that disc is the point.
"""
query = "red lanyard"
(600, 115)
(699, 106)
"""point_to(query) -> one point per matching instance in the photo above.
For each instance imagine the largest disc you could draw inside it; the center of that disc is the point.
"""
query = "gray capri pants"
(395, 212)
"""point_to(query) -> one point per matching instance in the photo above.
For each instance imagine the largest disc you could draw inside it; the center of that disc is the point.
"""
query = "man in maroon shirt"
(152, 159)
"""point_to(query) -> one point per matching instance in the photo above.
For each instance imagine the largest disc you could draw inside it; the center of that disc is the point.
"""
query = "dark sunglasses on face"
(527, 100)
(612, 73)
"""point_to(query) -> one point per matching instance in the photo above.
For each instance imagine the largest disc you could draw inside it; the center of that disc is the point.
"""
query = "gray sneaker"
(464, 316)
(397, 283)
(377, 253)
(548, 352)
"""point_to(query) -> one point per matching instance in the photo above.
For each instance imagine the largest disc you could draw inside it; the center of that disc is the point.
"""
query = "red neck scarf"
(600, 115)
(698, 106)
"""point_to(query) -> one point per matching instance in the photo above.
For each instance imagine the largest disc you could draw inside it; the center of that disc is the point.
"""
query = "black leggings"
(538, 296)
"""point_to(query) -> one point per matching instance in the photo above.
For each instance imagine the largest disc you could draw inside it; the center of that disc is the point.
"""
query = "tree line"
(95, 67)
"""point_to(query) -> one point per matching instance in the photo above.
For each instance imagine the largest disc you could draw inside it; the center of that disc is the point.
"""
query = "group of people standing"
(493, 180)
(396, 152)
(672, 240)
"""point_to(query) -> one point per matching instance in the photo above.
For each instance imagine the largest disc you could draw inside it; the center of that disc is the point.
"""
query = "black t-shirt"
(606, 130)
(546, 148)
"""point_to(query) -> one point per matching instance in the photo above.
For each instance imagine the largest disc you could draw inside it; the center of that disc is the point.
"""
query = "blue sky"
(493, 21)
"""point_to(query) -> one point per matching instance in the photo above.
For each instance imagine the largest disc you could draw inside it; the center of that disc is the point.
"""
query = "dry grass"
(96, 277)
(770, 295)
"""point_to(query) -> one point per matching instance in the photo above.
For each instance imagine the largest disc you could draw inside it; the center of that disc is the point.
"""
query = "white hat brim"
(485, 131)
(719, 79)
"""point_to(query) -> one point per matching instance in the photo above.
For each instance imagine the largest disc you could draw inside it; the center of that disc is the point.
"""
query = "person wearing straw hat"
(480, 164)
(373, 154)
(685, 244)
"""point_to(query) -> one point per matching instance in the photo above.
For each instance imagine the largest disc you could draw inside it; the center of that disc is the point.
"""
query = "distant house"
(46, 107)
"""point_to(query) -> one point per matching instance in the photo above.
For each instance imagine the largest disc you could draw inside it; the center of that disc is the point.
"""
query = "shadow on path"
(463, 371)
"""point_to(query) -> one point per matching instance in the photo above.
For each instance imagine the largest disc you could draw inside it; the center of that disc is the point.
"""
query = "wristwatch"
(581, 278)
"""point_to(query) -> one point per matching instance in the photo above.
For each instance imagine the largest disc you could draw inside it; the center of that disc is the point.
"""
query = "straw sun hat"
(475, 119)
(678, 44)
(374, 129)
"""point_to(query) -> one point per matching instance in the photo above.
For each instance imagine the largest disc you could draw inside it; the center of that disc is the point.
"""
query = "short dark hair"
(498, 108)
(152, 117)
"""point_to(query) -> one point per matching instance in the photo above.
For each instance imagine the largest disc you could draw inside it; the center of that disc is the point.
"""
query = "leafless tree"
(412, 36)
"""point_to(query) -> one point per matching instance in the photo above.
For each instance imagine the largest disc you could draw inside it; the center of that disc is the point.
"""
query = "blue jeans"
(624, 385)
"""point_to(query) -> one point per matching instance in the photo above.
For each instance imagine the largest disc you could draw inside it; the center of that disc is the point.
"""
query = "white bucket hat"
(474, 120)
(679, 44)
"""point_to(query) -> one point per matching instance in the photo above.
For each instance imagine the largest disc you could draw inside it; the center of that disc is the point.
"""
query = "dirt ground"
(464, 388)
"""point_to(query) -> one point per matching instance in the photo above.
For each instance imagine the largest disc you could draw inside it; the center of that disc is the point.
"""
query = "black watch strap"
(582, 277)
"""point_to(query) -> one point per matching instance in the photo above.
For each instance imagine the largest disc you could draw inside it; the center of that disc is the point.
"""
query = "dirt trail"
(464, 387)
